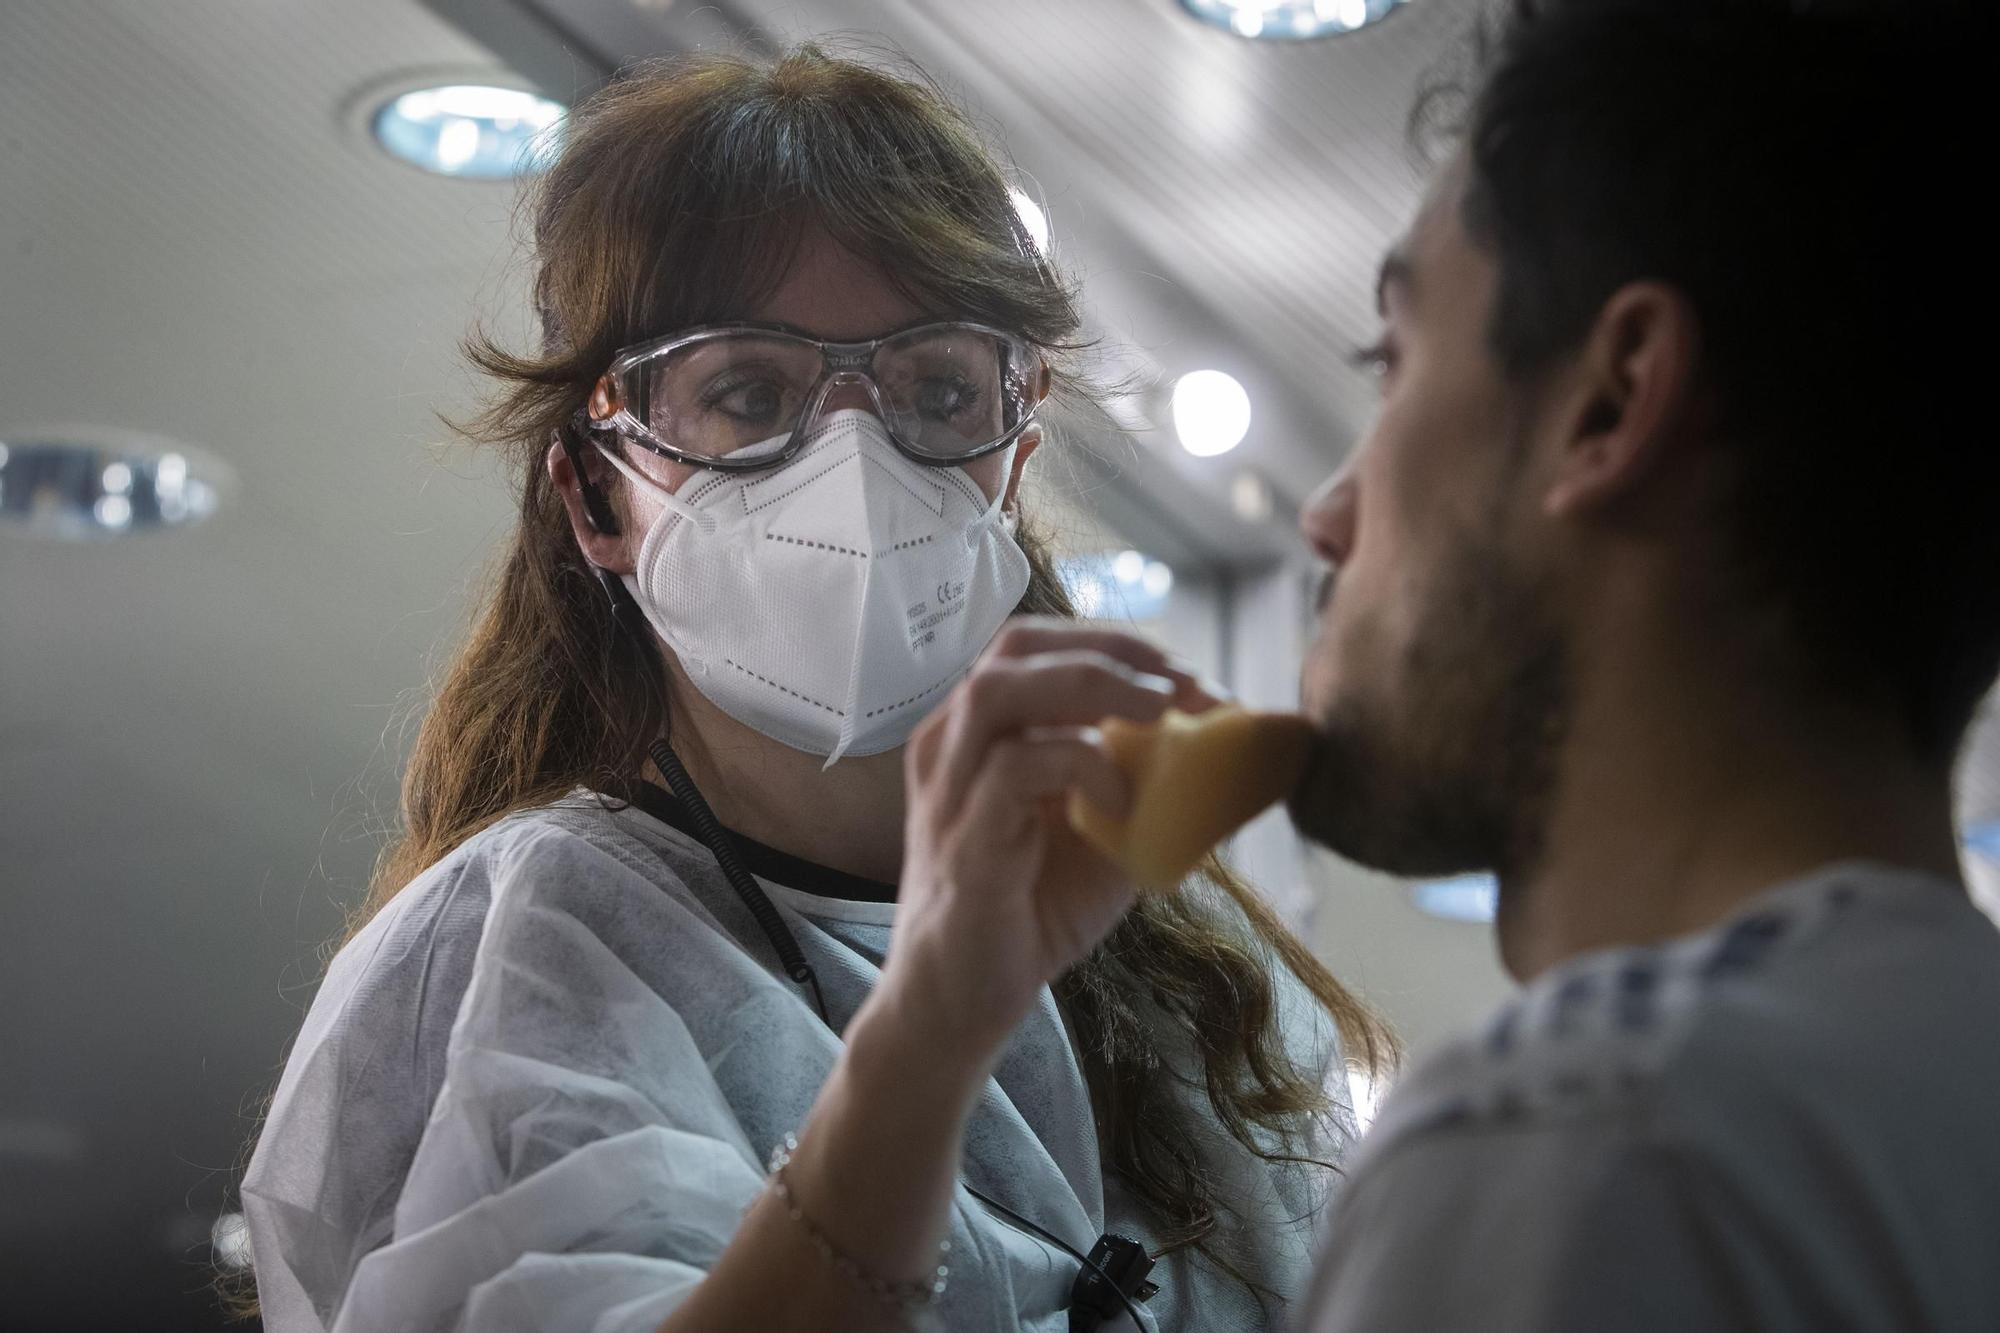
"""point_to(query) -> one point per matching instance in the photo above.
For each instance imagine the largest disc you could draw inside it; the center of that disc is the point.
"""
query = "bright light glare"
(114, 511)
(1158, 580)
(118, 478)
(1211, 412)
(230, 1239)
(1473, 898)
(477, 102)
(470, 131)
(1365, 1095)
(1128, 566)
(1291, 20)
(1032, 217)
(457, 142)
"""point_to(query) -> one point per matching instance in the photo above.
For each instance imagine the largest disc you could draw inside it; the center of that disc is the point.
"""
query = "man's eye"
(1375, 359)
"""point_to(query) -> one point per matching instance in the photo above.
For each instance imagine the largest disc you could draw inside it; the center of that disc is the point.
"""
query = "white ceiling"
(199, 733)
(192, 726)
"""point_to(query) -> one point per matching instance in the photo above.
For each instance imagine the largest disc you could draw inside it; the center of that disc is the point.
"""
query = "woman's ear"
(1024, 449)
(607, 550)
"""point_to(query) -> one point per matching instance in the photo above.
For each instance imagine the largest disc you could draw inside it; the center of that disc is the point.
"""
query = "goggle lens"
(946, 391)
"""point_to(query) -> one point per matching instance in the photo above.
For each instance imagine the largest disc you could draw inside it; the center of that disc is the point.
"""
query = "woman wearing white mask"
(624, 1042)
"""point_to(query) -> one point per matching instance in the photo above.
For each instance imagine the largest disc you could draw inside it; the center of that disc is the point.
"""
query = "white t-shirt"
(1790, 1122)
(538, 1090)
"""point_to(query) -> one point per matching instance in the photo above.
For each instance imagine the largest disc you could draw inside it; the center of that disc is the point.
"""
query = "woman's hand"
(998, 895)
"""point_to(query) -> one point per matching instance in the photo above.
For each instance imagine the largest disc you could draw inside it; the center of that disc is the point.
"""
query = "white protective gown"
(538, 1090)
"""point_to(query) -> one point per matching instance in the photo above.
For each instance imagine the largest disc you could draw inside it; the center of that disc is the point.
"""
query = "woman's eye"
(759, 400)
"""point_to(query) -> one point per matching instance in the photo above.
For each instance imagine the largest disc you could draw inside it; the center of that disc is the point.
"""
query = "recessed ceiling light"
(1211, 412)
(100, 485)
(469, 130)
(1291, 20)
(1250, 497)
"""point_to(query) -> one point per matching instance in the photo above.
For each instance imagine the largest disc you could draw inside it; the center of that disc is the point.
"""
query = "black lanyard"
(1095, 1295)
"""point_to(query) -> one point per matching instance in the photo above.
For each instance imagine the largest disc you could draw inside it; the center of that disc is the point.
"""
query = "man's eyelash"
(1373, 358)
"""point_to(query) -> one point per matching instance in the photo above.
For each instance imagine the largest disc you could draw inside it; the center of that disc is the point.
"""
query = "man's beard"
(1449, 768)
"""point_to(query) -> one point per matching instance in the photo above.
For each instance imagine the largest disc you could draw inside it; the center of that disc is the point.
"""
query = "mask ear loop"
(596, 508)
(701, 518)
(997, 514)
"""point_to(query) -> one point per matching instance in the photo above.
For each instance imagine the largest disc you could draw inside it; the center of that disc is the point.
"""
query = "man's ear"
(607, 550)
(1024, 449)
(1630, 391)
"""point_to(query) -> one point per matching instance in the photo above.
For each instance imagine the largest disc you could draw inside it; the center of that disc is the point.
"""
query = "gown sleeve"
(578, 1168)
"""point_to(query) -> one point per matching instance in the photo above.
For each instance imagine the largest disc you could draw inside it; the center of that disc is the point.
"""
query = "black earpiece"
(596, 509)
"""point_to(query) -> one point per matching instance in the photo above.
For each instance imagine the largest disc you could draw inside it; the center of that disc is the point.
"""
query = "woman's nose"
(848, 394)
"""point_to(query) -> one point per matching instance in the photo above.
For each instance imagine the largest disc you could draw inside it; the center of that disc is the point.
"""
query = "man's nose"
(1330, 519)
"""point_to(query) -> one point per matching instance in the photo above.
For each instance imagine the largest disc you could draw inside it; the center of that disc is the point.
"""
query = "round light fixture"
(1211, 412)
(85, 487)
(470, 131)
(1291, 20)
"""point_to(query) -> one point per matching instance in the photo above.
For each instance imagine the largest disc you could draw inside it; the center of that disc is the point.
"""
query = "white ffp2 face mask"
(831, 602)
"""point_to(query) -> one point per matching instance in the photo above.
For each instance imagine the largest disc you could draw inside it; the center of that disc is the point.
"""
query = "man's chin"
(1355, 800)
(1324, 803)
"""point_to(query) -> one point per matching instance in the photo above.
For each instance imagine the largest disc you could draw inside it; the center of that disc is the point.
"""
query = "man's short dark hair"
(1806, 171)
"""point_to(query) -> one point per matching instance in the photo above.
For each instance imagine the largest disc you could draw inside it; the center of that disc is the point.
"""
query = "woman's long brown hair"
(678, 198)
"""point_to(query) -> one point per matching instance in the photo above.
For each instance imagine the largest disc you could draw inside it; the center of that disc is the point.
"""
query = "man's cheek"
(1331, 660)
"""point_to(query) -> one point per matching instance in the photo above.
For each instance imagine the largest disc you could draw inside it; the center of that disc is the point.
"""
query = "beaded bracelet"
(898, 1296)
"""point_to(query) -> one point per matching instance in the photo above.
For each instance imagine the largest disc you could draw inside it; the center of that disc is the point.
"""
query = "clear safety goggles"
(743, 396)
